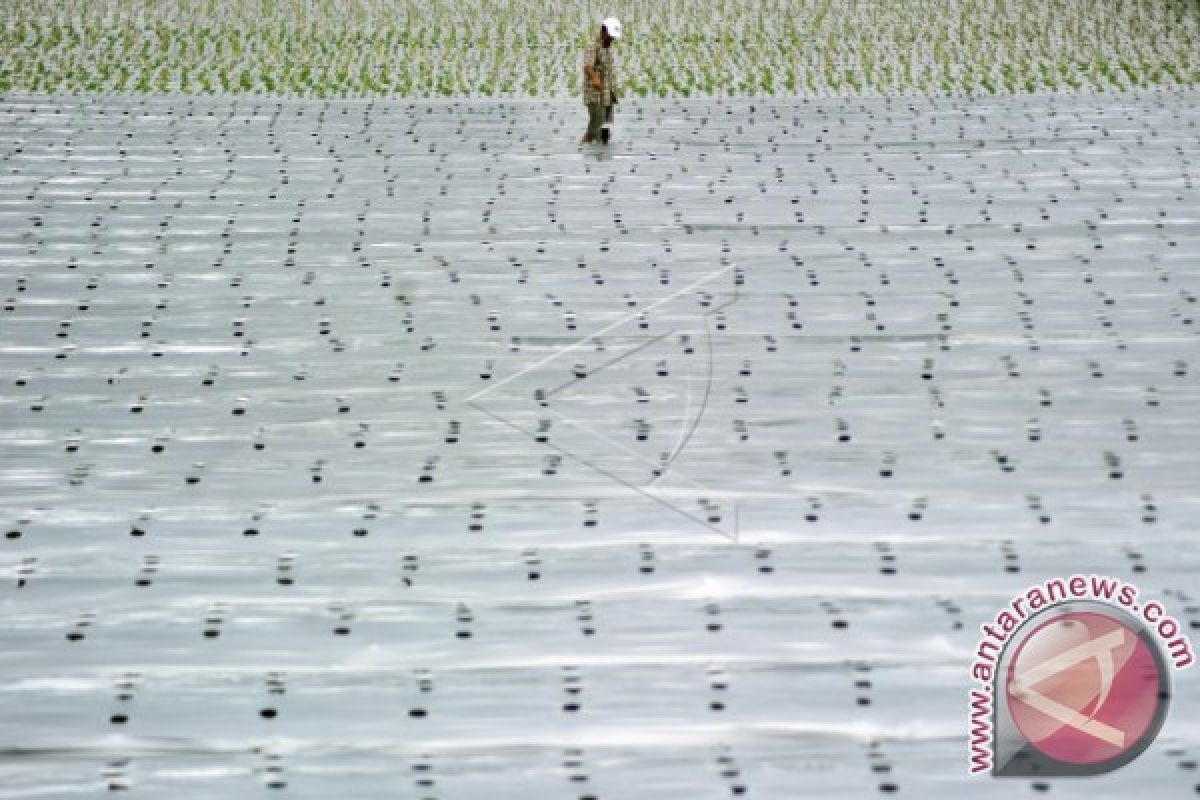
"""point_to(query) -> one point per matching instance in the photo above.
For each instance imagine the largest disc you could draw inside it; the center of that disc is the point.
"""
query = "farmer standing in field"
(600, 81)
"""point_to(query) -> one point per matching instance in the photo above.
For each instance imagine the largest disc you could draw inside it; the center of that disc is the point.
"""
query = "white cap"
(613, 26)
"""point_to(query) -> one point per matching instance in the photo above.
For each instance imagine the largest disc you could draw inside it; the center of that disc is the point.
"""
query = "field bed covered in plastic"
(404, 449)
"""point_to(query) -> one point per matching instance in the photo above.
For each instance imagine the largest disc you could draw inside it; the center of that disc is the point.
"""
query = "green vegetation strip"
(533, 47)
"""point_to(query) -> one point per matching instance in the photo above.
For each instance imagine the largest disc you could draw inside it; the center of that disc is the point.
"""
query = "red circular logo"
(1084, 688)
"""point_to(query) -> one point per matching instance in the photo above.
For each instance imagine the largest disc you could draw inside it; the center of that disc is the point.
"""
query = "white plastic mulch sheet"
(388, 449)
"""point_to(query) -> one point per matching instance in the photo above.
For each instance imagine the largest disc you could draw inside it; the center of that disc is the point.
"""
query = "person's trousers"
(598, 115)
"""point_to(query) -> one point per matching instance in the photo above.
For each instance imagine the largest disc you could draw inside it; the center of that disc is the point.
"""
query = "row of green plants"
(532, 47)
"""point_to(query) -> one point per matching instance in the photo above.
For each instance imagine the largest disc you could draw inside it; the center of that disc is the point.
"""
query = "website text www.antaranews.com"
(1036, 598)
